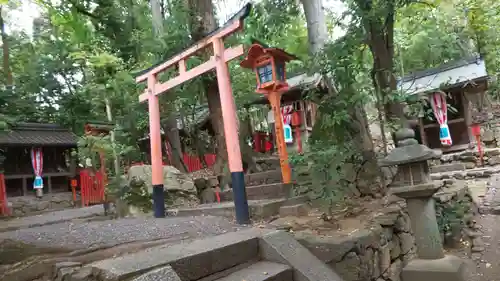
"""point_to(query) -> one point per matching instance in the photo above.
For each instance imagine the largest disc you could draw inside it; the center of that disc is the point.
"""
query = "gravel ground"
(51, 218)
(82, 235)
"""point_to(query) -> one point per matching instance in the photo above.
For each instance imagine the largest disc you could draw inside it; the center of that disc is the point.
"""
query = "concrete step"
(470, 173)
(448, 168)
(297, 210)
(184, 261)
(264, 191)
(259, 209)
(262, 271)
(250, 254)
(266, 177)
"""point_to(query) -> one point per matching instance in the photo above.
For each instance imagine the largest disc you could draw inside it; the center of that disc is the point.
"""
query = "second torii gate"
(218, 62)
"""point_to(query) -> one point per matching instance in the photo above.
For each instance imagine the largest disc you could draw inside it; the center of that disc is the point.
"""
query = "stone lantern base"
(449, 268)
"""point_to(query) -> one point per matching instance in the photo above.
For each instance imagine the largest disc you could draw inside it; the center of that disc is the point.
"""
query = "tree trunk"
(317, 32)
(170, 127)
(9, 81)
(172, 133)
(202, 21)
(368, 172)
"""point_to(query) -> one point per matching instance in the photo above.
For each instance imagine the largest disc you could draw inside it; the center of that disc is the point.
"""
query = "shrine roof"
(448, 75)
(38, 134)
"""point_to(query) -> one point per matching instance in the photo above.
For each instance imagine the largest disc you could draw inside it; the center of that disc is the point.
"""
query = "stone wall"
(30, 205)
(380, 251)
(464, 160)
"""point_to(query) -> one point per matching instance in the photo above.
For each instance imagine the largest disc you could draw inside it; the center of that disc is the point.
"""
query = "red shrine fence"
(92, 187)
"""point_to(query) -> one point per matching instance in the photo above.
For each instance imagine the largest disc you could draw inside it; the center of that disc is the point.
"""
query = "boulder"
(173, 179)
(180, 189)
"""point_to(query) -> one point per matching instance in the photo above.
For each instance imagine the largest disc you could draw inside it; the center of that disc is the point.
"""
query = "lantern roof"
(259, 49)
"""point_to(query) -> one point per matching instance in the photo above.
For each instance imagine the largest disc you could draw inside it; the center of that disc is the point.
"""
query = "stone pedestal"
(412, 182)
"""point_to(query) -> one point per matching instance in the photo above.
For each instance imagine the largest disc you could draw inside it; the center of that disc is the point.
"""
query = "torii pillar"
(218, 62)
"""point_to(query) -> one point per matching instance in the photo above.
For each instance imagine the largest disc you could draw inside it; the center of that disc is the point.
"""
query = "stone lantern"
(413, 183)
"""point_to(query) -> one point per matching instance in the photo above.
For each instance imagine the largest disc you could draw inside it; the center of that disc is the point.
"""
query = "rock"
(180, 188)
(395, 247)
(387, 219)
(403, 223)
(367, 262)
(208, 196)
(407, 242)
(495, 160)
(395, 270)
(470, 165)
(376, 265)
(173, 179)
(84, 274)
(349, 267)
(384, 258)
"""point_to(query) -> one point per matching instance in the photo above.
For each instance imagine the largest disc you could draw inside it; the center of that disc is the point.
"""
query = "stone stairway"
(267, 197)
(249, 254)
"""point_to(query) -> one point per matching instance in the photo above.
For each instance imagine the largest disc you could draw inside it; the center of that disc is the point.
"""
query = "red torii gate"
(218, 62)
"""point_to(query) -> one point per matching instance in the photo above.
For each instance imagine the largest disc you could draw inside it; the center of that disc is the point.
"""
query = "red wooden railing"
(4, 208)
(194, 164)
(92, 187)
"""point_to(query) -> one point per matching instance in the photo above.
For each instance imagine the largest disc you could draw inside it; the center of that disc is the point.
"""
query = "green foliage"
(450, 216)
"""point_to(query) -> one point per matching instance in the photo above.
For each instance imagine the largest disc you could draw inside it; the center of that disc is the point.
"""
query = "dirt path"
(488, 262)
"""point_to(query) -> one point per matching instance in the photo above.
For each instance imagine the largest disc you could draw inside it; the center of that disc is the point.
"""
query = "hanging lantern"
(269, 67)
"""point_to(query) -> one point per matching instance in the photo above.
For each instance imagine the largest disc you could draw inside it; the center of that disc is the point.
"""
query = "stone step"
(259, 209)
(264, 191)
(184, 261)
(262, 271)
(470, 173)
(297, 210)
(250, 254)
(448, 168)
(266, 177)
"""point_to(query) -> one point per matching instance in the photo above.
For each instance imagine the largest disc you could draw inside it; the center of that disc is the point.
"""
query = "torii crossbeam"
(218, 62)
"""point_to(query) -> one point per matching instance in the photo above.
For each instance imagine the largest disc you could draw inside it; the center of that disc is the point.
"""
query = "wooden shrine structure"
(56, 144)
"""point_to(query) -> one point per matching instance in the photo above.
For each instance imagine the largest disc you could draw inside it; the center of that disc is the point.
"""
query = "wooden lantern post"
(269, 67)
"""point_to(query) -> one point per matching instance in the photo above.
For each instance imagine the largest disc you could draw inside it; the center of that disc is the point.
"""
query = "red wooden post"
(218, 62)
(296, 123)
(476, 132)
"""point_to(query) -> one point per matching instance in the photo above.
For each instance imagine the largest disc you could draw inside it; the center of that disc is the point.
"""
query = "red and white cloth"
(37, 162)
(439, 107)
(286, 112)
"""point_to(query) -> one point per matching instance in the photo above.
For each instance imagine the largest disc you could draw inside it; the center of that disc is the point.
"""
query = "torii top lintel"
(215, 38)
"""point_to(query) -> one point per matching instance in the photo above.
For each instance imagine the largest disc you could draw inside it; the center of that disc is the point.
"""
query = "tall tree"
(201, 22)
(5, 48)
(170, 126)
(367, 179)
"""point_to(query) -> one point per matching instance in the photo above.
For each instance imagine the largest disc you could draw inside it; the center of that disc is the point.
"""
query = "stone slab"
(297, 210)
(165, 273)
(51, 218)
(449, 268)
(84, 235)
(264, 191)
(281, 247)
(448, 168)
(262, 271)
(258, 209)
(191, 261)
